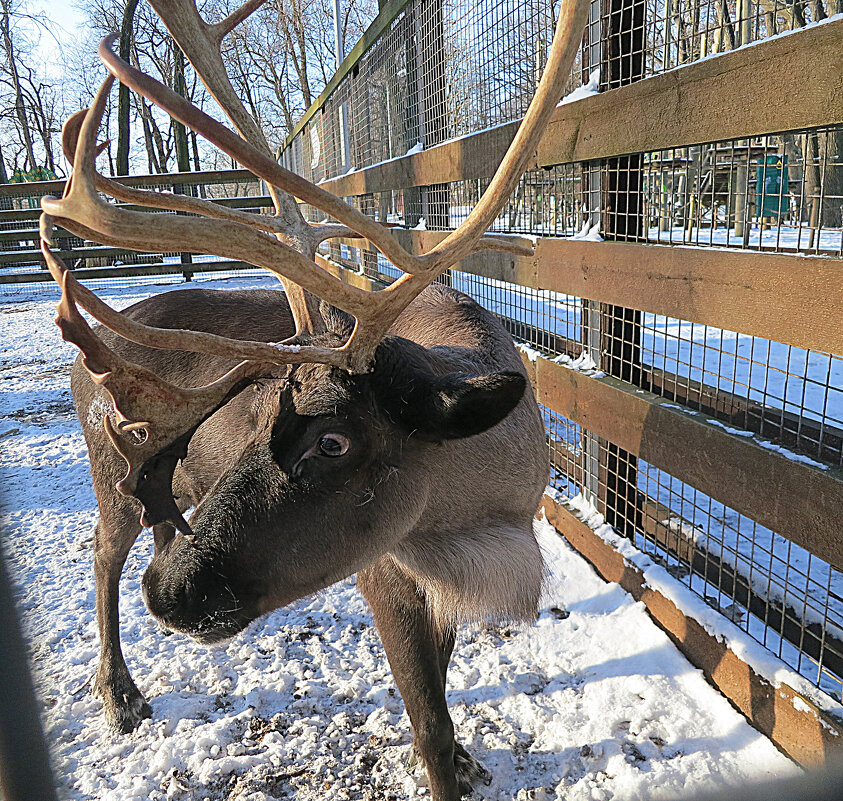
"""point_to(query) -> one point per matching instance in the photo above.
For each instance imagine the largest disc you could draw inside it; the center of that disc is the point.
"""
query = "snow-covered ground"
(593, 702)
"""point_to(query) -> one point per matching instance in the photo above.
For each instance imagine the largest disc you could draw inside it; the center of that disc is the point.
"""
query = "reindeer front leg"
(418, 654)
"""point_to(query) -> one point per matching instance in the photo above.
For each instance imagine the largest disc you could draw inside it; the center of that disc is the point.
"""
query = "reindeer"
(319, 432)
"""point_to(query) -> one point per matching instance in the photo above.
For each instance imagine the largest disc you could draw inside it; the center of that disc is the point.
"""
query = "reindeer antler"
(150, 412)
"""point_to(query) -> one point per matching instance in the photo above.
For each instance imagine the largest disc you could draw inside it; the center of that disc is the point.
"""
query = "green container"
(771, 186)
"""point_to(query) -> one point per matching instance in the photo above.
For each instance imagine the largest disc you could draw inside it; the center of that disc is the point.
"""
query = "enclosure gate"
(688, 363)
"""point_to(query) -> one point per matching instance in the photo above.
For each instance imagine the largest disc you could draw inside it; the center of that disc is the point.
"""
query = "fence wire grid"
(449, 68)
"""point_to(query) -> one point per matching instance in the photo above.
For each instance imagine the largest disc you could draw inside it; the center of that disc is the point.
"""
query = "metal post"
(343, 110)
(624, 22)
(591, 323)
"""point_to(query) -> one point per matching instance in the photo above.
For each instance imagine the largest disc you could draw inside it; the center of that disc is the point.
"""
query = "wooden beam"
(40, 188)
(130, 271)
(786, 298)
(92, 252)
(245, 202)
(806, 733)
(797, 500)
(474, 156)
(783, 297)
(781, 84)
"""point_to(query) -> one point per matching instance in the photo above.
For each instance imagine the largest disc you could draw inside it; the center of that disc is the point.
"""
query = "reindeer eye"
(334, 445)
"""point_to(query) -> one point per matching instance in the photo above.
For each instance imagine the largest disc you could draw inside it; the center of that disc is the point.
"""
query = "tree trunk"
(831, 164)
(20, 109)
(179, 132)
(123, 92)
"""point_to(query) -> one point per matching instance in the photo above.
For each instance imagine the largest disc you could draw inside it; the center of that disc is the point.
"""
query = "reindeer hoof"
(469, 770)
(124, 707)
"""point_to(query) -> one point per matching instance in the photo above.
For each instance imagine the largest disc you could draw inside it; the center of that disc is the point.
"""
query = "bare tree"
(30, 102)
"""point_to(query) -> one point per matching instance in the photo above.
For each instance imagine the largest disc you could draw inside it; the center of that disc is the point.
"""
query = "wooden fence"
(20, 257)
(741, 450)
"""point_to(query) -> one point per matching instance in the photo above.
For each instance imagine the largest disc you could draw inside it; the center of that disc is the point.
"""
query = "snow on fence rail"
(708, 176)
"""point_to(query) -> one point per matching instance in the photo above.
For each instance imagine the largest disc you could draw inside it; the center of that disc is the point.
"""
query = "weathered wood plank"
(474, 156)
(786, 83)
(781, 84)
(130, 271)
(245, 202)
(783, 297)
(797, 500)
(40, 188)
(93, 252)
(809, 735)
(786, 298)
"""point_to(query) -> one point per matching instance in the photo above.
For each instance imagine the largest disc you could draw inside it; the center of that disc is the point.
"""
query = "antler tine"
(261, 165)
(151, 416)
(460, 243)
(201, 44)
(161, 200)
(563, 50)
(173, 338)
(82, 210)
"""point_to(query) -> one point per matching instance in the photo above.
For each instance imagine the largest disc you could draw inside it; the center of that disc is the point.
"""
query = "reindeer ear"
(458, 405)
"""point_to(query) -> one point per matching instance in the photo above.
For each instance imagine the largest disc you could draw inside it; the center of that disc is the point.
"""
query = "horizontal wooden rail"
(87, 252)
(129, 271)
(40, 188)
(797, 500)
(733, 95)
(783, 297)
(28, 234)
(808, 734)
(819, 440)
(243, 202)
(786, 298)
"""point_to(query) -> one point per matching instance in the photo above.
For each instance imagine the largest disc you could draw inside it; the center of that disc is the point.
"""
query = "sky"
(67, 19)
(62, 12)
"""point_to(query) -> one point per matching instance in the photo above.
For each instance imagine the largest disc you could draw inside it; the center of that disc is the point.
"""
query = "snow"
(592, 702)
(416, 148)
(590, 231)
(784, 237)
(589, 89)
(772, 446)
(583, 363)
(761, 660)
(421, 225)
(530, 353)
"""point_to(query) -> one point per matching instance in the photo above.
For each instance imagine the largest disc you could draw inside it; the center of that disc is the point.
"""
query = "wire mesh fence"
(446, 69)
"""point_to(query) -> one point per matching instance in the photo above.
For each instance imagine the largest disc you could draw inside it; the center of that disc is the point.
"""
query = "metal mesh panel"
(446, 68)
(780, 193)
(787, 599)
